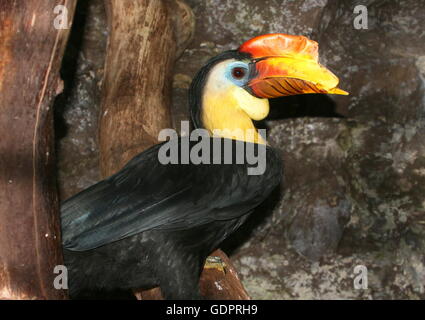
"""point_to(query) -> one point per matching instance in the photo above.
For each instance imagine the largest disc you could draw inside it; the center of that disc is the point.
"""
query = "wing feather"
(147, 195)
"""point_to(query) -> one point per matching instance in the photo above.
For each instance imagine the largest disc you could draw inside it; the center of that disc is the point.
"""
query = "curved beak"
(288, 65)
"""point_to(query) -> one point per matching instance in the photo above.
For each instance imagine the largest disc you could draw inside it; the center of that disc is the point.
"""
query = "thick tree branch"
(31, 50)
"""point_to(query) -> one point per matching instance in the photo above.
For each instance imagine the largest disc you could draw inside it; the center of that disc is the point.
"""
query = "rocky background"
(354, 191)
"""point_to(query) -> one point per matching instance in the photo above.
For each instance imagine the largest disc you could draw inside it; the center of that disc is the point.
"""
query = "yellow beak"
(288, 65)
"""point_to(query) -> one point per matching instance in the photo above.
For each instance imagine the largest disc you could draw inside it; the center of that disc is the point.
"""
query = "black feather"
(147, 195)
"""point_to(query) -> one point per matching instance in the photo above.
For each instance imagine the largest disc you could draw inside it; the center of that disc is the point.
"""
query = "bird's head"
(233, 88)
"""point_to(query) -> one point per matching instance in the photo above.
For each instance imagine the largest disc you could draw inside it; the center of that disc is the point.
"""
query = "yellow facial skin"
(228, 110)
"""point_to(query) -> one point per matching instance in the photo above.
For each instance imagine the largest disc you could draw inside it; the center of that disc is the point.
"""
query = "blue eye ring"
(238, 72)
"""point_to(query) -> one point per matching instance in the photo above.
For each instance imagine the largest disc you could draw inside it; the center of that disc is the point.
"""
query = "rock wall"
(355, 186)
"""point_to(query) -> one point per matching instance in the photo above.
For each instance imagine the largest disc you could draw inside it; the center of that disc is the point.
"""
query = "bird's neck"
(223, 116)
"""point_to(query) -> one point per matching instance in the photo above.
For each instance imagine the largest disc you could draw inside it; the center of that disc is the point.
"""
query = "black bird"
(154, 224)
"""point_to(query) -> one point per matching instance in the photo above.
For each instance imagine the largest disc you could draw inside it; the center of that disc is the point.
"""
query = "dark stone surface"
(77, 109)
(354, 186)
(383, 66)
(315, 207)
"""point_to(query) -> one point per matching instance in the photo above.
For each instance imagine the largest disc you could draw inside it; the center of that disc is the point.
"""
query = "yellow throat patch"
(228, 110)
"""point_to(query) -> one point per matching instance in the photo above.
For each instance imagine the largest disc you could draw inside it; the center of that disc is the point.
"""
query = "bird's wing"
(146, 195)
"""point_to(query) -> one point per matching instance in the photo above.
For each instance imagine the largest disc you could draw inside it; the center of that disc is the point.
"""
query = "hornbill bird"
(154, 224)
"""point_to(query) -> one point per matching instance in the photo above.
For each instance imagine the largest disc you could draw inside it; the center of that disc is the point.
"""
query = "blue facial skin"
(241, 82)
